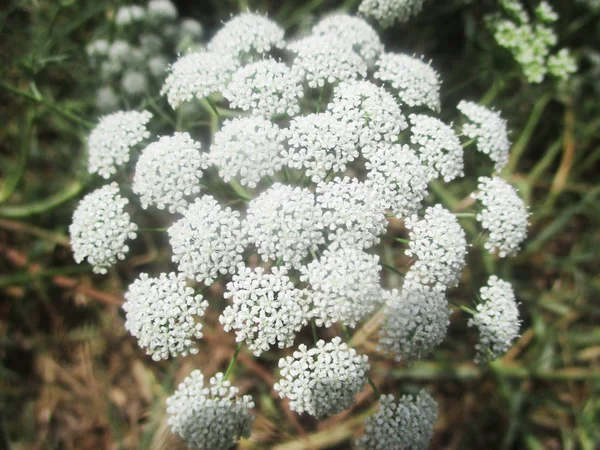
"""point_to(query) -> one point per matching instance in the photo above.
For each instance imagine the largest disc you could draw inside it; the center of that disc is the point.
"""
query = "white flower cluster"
(249, 148)
(438, 146)
(497, 319)
(530, 42)
(439, 244)
(344, 286)
(266, 87)
(340, 200)
(111, 141)
(246, 36)
(168, 171)
(284, 222)
(207, 241)
(198, 75)
(387, 12)
(489, 129)
(100, 228)
(504, 215)
(415, 322)
(415, 82)
(160, 313)
(209, 418)
(323, 380)
(266, 308)
(404, 425)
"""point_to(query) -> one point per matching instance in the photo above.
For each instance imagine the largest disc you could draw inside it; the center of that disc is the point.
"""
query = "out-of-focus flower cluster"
(285, 193)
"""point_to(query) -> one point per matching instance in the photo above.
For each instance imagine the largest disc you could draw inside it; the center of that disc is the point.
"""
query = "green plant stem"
(466, 215)
(43, 101)
(239, 190)
(393, 269)
(213, 113)
(371, 382)
(467, 309)
(153, 229)
(14, 177)
(394, 238)
(315, 334)
(41, 206)
(233, 359)
(320, 100)
(28, 277)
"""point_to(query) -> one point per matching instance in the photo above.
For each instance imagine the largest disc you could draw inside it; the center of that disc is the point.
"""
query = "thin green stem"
(393, 269)
(153, 229)
(467, 309)
(239, 190)
(320, 100)
(394, 238)
(371, 382)
(313, 325)
(41, 206)
(233, 359)
(466, 215)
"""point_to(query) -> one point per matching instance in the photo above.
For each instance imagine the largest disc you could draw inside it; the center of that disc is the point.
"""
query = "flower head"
(504, 215)
(415, 82)
(113, 138)
(324, 380)
(266, 308)
(497, 319)
(207, 241)
(249, 148)
(160, 313)
(438, 242)
(386, 12)
(403, 425)
(162, 10)
(265, 87)
(168, 171)
(438, 147)
(129, 14)
(284, 222)
(489, 128)
(344, 286)
(209, 418)
(100, 228)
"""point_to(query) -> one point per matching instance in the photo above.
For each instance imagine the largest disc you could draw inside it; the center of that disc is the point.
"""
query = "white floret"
(415, 322)
(129, 14)
(344, 286)
(162, 10)
(209, 418)
(489, 129)
(323, 380)
(266, 308)
(246, 36)
(207, 242)
(415, 82)
(266, 87)
(396, 173)
(387, 12)
(439, 244)
(168, 172)
(438, 146)
(100, 228)
(111, 141)
(198, 75)
(134, 83)
(353, 213)
(406, 424)
(160, 313)
(249, 148)
(497, 319)
(284, 222)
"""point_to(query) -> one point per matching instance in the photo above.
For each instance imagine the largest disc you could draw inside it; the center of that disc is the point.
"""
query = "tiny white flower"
(386, 12)
(162, 10)
(323, 380)
(134, 83)
(127, 15)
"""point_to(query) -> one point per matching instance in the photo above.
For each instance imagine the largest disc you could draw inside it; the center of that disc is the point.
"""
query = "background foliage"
(70, 376)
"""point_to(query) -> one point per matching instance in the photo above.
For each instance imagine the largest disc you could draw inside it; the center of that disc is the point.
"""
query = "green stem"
(394, 238)
(320, 100)
(41, 206)
(212, 111)
(239, 190)
(314, 331)
(233, 359)
(393, 269)
(43, 101)
(371, 382)
(467, 309)
(153, 229)
(466, 215)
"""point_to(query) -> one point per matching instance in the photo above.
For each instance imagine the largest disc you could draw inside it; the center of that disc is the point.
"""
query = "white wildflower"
(162, 10)
(344, 286)
(266, 87)
(438, 242)
(160, 313)
(497, 319)
(209, 418)
(134, 83)
(98, 48)
(207, 241)
(562, 65)
(489, 129)
(247, 35)
(129, 14)
(111, 141)
(321, 143)
(386, 12)
(404, 425)
(106, 99)
(353, 213)
(198, 75)
(284, 222)
(324, 380)
(158, 66)
(415, 322)
(100, 228)
(324, 59)
(415, 82)
(266, 308)
(438, 147)
(396, 173)
(168, 171)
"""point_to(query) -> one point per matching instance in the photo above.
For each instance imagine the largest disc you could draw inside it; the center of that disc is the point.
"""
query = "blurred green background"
(71, 377)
